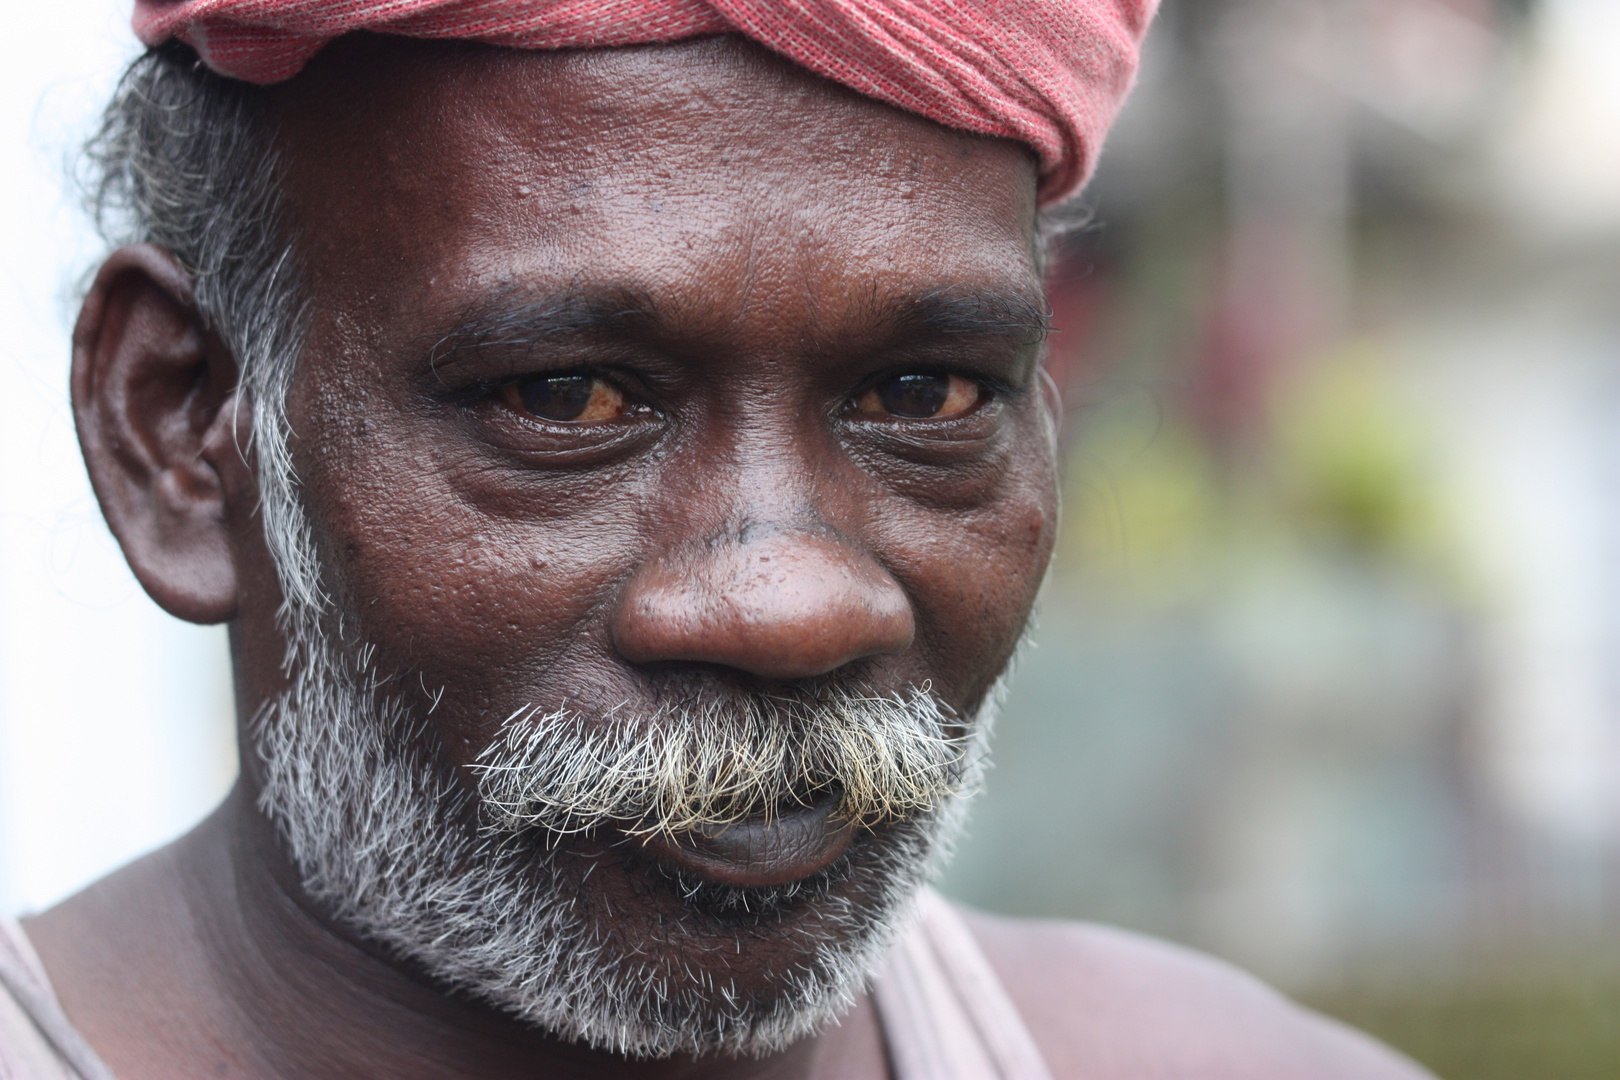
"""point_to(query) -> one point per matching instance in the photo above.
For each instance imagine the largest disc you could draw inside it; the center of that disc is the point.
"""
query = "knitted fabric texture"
(1048, 73)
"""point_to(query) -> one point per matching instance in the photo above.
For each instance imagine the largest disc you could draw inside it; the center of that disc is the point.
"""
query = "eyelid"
(534, 440)
(603, 397)
(627, 385)
(470, 376)
(499, 394)
(989, 390)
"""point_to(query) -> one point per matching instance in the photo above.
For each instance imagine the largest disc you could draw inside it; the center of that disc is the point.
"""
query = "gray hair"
(185, 159)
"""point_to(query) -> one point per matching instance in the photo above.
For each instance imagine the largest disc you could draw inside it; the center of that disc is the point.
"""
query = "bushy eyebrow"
(512, 319)
(952, 312)
(516, 319)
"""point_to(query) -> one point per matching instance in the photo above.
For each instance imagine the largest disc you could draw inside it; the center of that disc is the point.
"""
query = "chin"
(596, 937)
(661, 960)
(604, 944)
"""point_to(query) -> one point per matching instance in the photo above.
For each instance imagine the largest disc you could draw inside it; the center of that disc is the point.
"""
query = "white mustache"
(713, 762)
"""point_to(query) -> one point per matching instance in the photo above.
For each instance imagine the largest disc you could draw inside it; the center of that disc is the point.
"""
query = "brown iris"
(921, 396)
(571, 398)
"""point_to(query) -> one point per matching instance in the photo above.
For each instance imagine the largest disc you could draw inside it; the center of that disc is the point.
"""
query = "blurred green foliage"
(1352, 460)
(1263, 710)
(1504, 1025)
(1344, 470)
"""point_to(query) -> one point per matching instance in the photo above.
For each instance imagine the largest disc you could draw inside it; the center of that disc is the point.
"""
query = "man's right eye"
(568, 398)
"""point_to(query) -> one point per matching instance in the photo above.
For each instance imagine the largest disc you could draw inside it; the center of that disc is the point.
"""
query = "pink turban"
(1049, 73)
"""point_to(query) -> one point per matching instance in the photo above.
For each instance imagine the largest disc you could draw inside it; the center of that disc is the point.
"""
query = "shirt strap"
(23, 977)
(944, 1012)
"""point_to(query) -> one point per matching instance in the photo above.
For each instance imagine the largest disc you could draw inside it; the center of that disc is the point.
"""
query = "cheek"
(974, 573)
(459, 594)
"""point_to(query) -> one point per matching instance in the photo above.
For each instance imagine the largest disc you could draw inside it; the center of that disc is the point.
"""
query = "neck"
(207, 953)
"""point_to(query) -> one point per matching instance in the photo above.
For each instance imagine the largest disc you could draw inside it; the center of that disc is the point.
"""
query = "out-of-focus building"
(1326, 680)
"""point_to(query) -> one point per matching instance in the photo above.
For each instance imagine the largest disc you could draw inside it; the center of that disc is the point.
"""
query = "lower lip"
(757, 852)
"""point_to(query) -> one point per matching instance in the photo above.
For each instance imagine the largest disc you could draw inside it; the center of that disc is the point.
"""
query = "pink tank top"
(944, 1013)
(36, 1040)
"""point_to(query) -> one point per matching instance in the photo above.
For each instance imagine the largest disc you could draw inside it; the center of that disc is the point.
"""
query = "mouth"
(780, 848)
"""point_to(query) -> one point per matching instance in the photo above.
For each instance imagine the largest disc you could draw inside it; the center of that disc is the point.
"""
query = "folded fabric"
(1049, 73)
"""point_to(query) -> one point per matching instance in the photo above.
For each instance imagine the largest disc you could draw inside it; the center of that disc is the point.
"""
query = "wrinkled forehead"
(423, 175)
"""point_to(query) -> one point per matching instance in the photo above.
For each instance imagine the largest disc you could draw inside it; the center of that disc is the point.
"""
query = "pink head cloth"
(1049, 73)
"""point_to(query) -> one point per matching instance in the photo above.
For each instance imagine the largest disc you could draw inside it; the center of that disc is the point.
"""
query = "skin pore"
(629, 375)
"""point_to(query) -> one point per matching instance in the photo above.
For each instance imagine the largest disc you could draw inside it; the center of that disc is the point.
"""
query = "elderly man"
(615, 436)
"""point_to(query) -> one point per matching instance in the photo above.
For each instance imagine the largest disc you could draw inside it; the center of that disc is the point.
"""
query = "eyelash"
(994, 388)
(484, 391)
(491, 391)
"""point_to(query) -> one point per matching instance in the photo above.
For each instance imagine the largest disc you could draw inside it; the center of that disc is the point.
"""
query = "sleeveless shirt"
(943, 1013)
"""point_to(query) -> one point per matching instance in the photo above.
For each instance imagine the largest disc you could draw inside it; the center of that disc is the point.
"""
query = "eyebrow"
(517, 319)
(512, 319)
(951, 312)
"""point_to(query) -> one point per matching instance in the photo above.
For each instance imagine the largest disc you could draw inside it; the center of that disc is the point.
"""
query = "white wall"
(115, 730)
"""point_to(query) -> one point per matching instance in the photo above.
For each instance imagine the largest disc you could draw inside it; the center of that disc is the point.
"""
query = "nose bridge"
(771, 589)
(766, 474)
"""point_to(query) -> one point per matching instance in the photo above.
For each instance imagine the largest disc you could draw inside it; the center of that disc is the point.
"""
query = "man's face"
(642, 382)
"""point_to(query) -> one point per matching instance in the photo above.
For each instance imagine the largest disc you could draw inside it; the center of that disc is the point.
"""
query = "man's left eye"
(571, 398)
(925, 396)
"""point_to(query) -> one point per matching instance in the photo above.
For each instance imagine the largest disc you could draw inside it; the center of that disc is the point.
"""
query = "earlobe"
(154, 398)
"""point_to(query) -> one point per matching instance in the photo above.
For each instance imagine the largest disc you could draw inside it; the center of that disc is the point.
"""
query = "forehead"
(707, 174)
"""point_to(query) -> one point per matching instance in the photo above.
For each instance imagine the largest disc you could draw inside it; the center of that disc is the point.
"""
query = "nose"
(784, 606)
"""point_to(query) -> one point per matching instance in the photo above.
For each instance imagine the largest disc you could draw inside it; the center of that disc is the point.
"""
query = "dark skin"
(734, 506)
(733, 269)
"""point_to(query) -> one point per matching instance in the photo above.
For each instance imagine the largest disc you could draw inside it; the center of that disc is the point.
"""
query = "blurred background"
(115, 720)
(1327, 676)
(1327, 679)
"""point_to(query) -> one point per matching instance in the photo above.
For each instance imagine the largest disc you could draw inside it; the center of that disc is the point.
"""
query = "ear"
(1052, 400)
(155, 399)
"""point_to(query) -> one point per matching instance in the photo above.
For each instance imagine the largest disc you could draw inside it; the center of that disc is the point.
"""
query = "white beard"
(457, 883)
(460, 884)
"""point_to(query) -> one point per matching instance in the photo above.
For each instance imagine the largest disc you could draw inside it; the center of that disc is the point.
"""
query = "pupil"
(557, 397)
(915, 396)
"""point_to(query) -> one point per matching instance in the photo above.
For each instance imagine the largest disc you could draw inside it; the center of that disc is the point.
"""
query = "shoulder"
(1105, 1003)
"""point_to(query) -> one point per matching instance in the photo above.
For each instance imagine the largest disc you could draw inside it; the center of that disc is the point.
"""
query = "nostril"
(803, 607)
